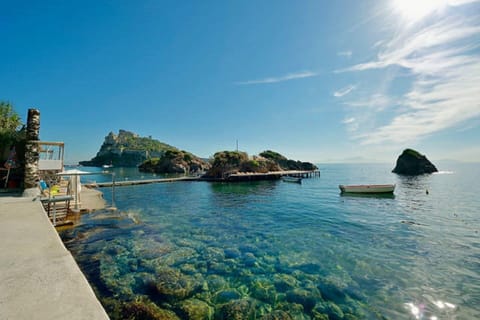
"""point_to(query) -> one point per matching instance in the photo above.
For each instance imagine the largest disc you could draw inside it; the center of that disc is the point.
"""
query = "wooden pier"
(273, 175)
(241, 176)
(137, 182)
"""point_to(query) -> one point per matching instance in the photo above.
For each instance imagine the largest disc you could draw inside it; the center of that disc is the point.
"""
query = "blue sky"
(321, 81)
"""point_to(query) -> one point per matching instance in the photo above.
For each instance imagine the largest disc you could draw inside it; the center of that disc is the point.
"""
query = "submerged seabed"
(276, 250)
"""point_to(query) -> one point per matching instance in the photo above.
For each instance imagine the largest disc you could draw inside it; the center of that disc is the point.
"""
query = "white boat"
(292, 179)
(106, 166)
(368, 188)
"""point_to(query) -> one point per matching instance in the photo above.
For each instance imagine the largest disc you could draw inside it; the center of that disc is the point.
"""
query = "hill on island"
(225, 163)
(175, 161)
(127, 149)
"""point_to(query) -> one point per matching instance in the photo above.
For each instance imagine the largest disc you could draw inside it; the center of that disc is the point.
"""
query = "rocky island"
(127, 149)
(175, 161)
(226, 163)
(223, 164)
(411, 162)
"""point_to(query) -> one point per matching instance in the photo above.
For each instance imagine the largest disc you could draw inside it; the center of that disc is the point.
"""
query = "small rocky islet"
(412, 162)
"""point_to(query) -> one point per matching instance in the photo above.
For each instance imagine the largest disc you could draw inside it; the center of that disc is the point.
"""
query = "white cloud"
(344, 91)
(290, 76)
(347, 54)
(348, 120)
(443, 64)
(460, 2)
(376, 101)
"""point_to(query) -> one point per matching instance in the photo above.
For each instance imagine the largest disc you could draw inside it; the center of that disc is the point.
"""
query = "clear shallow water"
(247, 250)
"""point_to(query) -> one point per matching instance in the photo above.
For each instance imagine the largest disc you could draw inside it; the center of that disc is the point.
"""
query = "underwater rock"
(112, 306)
(216, 283)
(227, 295)
(146, 310)
(295, 310)
(151, 248)
(306, 298)
(190, 243)
(277, 315)
(114, 249)
(284, 282)
(195, 309)
(250, 260)
(310, 268)
(201, 266)
(180, 255)
(188, 268)
(172, 284)
(213, 254)
(331, 290)
(329, 308)
(112, 277)
(219, 268)
(248, 248)
(232, 253)
(237, 310)
(264, 290)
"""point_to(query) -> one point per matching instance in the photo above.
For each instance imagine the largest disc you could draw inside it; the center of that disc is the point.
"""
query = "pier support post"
(32, 177)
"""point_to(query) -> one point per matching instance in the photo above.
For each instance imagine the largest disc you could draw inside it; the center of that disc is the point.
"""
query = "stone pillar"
(31, 154)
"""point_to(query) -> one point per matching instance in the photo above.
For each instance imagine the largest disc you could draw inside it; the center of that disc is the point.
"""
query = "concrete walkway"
(39, 279)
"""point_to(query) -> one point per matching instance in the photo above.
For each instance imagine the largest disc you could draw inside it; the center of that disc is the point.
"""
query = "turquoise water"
(277, 250)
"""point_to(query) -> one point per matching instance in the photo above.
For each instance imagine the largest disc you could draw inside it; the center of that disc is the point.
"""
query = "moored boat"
(292, 179)
(367, 188)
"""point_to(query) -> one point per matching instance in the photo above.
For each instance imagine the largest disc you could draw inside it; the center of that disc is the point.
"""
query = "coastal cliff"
(411, 162)
(127, 149)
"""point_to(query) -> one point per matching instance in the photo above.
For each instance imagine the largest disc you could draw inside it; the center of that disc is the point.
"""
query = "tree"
(9, 119)
(10, 123)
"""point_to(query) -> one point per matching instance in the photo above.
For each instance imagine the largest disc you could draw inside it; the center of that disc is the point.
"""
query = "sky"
(319, 81)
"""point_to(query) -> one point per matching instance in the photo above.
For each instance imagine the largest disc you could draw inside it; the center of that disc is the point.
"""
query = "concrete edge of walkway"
(39, 279)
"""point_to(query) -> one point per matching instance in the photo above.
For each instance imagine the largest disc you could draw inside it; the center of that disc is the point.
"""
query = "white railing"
(51, 155)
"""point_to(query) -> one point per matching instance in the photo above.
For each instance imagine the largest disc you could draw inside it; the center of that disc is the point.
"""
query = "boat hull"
(366, 189)
(292, 179)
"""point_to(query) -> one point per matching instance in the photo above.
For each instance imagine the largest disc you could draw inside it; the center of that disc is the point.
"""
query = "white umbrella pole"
(6, 179)
(76, 192)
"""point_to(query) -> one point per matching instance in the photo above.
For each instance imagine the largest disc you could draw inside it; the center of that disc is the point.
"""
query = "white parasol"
(75, 181)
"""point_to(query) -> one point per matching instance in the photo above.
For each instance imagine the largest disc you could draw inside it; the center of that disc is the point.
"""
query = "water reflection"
(426, 310)
(243, 188)
(421, 182)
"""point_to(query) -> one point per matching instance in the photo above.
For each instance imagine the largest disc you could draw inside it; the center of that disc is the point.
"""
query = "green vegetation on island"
(225, 163)
(127, 149)
(175, 161)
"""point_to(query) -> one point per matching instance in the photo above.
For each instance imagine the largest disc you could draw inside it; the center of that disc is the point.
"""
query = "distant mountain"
(127, 149)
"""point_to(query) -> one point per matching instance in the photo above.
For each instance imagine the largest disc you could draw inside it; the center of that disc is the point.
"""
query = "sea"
(279, 250)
